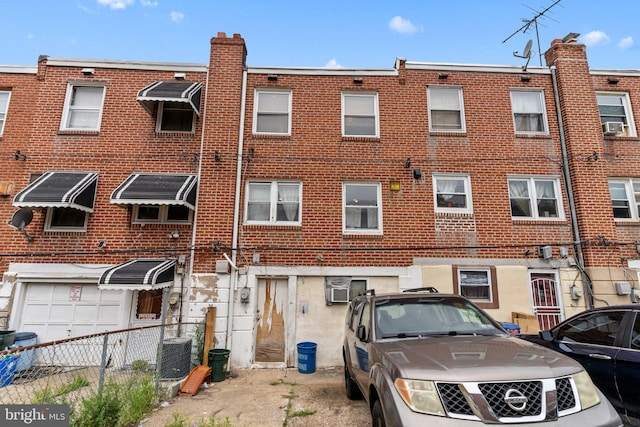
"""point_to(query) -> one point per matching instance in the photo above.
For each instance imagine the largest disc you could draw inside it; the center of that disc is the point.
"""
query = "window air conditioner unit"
(613, 128)
(340, 295)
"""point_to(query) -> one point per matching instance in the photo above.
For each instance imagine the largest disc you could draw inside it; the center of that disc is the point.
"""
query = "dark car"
(606, 341)
(424, 358)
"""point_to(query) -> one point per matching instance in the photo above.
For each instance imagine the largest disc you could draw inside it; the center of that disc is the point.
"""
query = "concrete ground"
(268, 397)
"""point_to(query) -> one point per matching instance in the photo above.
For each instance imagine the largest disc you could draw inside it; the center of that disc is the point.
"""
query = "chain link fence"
(69, 370)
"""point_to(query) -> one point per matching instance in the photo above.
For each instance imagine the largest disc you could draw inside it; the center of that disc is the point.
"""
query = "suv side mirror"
(361, 333)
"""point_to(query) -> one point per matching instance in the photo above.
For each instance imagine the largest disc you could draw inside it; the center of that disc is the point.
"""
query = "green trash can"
(217, 359)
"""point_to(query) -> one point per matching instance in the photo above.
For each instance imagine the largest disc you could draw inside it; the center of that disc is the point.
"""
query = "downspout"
(577, 244)
(236, 215)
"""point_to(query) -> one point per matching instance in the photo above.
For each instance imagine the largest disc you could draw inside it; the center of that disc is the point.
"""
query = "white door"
(546, 298)
(56, 311)
(271, 322)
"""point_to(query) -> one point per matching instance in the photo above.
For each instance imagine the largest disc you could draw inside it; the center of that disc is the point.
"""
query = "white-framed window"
(452, 193)
(66, 219)
(362, 208)
(175, 117)
(446, 108)
(82, 107)
(529, 113)
(625, 199)
(274, 203)
(615, 107)
(161, 214)
(476, 284)
(535, 198)
(4, 106)
(272, 112)
(360, 114)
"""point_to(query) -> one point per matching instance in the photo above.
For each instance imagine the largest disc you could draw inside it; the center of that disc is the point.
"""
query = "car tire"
(377, 416)
(353, 392)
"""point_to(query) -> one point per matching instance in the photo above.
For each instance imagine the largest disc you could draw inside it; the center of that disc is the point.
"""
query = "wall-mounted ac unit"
(340, 295)
(613, 128)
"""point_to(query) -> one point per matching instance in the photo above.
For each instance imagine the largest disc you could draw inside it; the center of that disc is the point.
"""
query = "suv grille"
(495, 393)
(492, 396)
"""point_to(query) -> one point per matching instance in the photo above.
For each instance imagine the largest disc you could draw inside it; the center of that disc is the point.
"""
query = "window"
(599, 328)
(149, 305)
(625, 198)
(452, 193)
(615, 107)
(65, 219)
(175, 117)
(362, 210)
(446, 111)
(360, 114)
(276, 203)
(161, 214)
(272, 112)
(535, 198)
(82, 107)
(529, 114)
(4, 106)
(478, 284)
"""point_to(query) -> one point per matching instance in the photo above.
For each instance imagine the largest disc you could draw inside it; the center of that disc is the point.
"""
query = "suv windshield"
(416, 317)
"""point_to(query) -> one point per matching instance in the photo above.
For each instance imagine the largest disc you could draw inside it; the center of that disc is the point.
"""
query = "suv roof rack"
(429, 289)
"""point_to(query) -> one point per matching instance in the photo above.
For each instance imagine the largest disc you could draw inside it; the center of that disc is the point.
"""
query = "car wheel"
(377, 417)
(353, 392)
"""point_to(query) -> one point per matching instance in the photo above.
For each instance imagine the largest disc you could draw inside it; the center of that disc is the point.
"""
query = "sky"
(329, 33)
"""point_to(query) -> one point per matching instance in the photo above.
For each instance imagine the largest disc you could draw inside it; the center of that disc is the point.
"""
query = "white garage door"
(56, 311)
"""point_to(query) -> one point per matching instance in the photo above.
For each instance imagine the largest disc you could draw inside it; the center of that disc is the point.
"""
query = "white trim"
(273, 203)
(376, 113)
(60, 229)
(377, 231)
(256, 112)
(531, 186)
(488, 285)
(467, 192)
(628, 188)
(64, 122)
(463, 125)
(545, 121)
(630, 126)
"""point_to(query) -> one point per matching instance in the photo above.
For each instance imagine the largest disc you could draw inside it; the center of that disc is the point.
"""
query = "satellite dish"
(20, 219)
(526, 53)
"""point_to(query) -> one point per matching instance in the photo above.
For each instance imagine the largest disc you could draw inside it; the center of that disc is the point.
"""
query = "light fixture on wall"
(88, 71)
(272, 77)
(180, 76)
(358, 80)
(525, 77)
(175, 234)
(417, 173)
(443, 76)
(613, 80)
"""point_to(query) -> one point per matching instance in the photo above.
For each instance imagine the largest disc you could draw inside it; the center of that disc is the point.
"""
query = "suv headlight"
(420, 396)
(586, 390)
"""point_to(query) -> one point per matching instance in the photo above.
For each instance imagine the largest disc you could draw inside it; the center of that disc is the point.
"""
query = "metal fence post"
(103, 363)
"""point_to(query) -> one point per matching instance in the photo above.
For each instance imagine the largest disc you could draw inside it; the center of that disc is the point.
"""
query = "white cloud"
(149, 3)
(332, 64)
(116, 4)
(595, 38)
(177, 16)
(626, 43)
(401, 25)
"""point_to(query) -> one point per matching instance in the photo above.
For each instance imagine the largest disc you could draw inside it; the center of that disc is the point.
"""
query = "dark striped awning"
(52, 189)
(139, 275)
(171, 91)
(157, 189)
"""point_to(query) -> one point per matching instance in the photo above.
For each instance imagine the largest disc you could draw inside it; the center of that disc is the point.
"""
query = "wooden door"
(270, 321)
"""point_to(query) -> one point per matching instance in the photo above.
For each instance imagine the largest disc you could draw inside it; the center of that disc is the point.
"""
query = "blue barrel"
(24, 339)
(307, 357)
(512, 328)
(7, 369)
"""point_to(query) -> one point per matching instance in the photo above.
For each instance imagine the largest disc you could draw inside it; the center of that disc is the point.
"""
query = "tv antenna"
(20, 219)
(532, 23)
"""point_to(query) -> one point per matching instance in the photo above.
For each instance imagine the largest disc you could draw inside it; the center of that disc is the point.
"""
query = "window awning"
(139, 275)
(171, 91)
(52, 189)
(157, 189)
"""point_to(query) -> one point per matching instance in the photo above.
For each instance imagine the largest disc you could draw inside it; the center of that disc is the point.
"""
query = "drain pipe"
(577, 244)
(233, 282)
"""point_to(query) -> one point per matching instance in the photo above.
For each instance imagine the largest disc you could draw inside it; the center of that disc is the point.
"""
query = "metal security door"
(546, 303)
(270, 321)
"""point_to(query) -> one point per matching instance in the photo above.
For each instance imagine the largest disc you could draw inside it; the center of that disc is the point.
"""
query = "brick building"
(513, 186)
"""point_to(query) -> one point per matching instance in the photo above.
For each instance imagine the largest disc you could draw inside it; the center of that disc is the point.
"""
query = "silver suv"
(424, 358)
